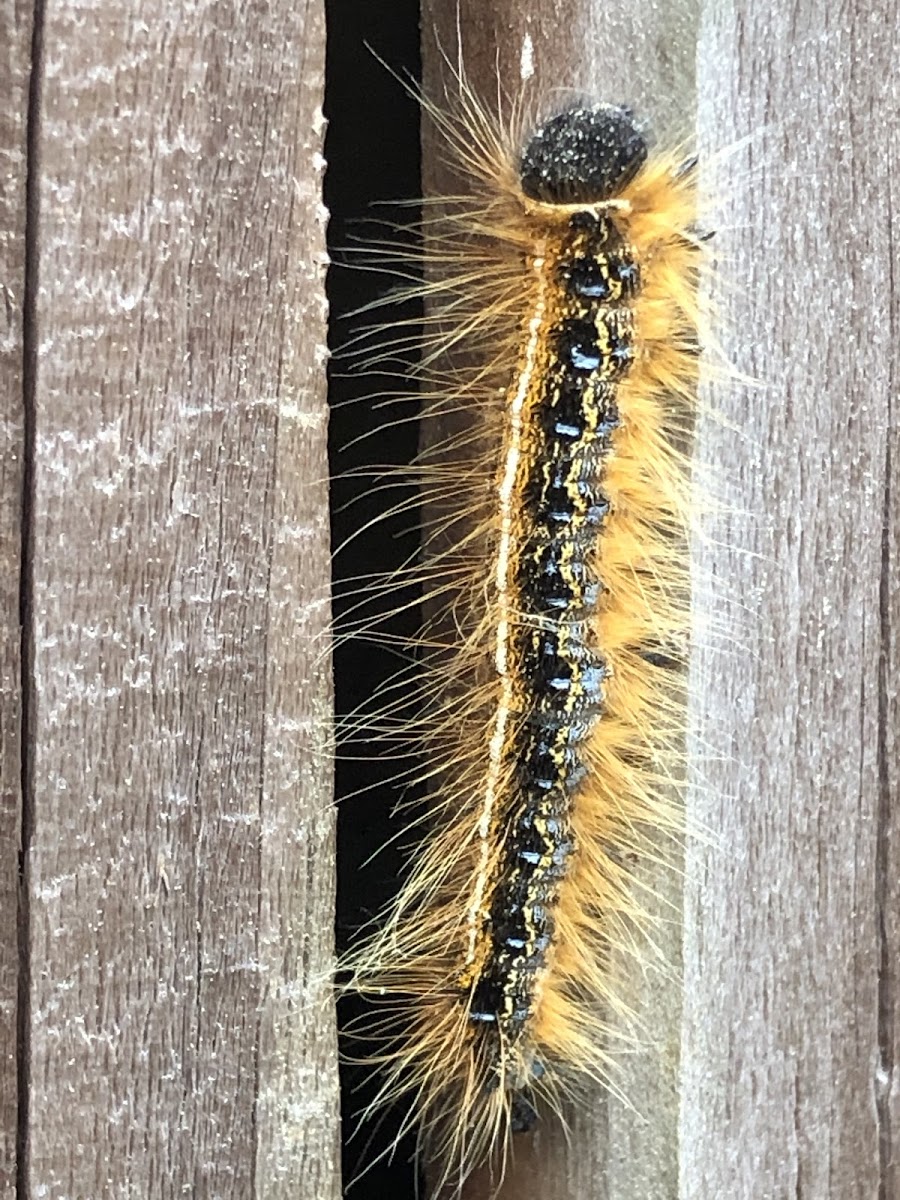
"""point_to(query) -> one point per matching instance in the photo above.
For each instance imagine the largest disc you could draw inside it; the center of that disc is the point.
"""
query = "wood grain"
(180, 864)
(15, 40)
(767, 1069)
(791, 929)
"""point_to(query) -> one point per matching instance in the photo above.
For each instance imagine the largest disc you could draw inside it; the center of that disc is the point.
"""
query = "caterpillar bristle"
(559, 361)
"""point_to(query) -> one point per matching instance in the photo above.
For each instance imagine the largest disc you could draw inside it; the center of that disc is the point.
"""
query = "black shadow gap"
(373, 153)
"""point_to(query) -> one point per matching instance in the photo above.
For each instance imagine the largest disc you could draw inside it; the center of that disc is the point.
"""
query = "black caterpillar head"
(583, 155)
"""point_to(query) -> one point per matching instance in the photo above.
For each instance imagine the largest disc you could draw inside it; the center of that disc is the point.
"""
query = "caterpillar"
(564, 327)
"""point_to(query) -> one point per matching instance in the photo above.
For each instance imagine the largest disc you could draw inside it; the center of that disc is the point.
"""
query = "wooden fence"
(166, 855)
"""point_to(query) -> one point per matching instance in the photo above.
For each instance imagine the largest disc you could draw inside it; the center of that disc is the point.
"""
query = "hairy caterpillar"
(566, 286)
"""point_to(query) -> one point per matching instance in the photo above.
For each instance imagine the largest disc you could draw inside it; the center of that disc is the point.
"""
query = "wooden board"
(791, 909)
(625, 1147)
(767, 1063)
(15, 39)
(179, 1033)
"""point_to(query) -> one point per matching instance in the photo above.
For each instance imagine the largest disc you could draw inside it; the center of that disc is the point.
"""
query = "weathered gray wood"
(788, 1036)
(180, 1032)
(643, 55)
(15, 48)
(791, 949)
